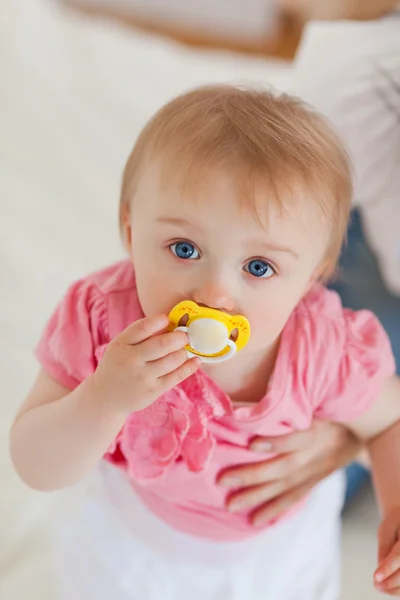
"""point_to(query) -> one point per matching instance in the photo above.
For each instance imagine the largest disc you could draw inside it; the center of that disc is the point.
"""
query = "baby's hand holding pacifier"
(142, 363)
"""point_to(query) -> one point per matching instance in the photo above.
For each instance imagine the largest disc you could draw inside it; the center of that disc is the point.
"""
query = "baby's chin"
(261, 349)
(263, 343)
(253, 354)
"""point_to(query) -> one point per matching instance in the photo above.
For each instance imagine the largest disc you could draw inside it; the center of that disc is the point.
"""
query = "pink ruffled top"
(331, 364)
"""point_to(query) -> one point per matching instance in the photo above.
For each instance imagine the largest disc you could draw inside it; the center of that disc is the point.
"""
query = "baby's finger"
(389, 566)
(179, 374)
(167, 364)
(163, 345)
(141, 330)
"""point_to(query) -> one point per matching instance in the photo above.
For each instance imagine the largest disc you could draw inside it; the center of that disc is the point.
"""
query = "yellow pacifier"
(214, 336)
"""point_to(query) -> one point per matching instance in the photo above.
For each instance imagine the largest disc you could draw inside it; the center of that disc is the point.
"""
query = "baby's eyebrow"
(178, 222)
(269, 246)
(272, 247)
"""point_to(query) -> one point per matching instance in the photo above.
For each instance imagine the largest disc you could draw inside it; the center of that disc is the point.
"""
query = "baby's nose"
(214, 295)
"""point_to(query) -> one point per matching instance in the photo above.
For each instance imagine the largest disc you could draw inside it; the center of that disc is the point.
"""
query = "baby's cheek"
(157, 292)
(268, 324)
(263, 336)
(268, 321)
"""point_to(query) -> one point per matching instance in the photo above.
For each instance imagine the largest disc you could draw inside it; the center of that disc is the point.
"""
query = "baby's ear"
(320, 275)
(125, 226)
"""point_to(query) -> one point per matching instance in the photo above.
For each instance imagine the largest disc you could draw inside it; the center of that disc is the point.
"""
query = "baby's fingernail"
(379, 577)
(261, 446)
(230, 482)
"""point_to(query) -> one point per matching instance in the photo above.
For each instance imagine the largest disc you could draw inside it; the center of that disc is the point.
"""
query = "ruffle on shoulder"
(348, 354)
(334, 361)
(77, 327)
(366, 363)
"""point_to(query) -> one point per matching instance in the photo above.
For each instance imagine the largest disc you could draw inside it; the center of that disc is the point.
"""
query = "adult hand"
(387, 576)
(304, 458)
(332, 9)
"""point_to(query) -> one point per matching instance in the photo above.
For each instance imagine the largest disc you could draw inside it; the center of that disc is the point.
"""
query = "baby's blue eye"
(259, 268)
(185, 250)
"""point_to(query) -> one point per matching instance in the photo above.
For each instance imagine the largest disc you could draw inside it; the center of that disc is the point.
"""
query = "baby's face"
(208, 248)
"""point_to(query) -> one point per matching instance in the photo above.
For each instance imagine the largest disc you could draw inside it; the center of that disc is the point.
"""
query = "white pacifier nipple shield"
(208, 337)
(209, 331)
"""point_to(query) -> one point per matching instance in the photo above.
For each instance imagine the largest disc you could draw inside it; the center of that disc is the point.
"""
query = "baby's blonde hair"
(260, 136)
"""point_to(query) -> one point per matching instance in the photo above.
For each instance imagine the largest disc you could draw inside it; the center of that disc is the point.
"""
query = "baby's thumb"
(387, 537)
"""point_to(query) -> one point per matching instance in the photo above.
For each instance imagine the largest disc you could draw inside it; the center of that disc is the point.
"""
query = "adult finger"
(387, 537)
(320, 435)
(257, 495)
(291, 442)
(390, 585)
(392, 592)
(271, 510)
(390, 567)
(263, 471)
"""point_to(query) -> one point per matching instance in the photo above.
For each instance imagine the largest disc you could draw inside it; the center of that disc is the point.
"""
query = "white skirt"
(115, 549)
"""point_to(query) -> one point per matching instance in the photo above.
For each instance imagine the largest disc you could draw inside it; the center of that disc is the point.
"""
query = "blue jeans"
(360, 286)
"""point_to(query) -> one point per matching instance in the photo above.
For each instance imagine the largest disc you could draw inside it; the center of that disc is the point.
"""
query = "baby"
(237, 200)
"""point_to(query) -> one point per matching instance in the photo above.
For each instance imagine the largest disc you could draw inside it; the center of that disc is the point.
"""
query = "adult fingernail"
(262, 521)
(230, 482)
(380, 586)
(261, 446)
(235, 506)
(259, 522)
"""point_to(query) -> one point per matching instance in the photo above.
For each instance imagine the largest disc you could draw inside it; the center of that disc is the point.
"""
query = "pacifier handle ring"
(219, 359)
(211, 359)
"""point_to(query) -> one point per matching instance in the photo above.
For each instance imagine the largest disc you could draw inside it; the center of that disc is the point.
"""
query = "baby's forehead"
(223, 198)
(230, 186)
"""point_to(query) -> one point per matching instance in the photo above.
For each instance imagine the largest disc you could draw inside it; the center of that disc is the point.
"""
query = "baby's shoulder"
(335, 346)
(110, 295)
(340, 357)
(113, 279)
(322, 324)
